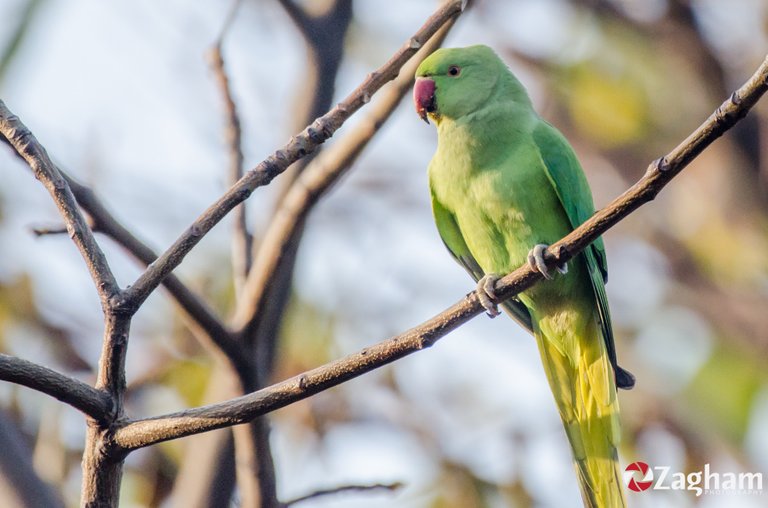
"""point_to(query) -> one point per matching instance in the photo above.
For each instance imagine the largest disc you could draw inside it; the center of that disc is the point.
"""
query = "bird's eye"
(454, 70)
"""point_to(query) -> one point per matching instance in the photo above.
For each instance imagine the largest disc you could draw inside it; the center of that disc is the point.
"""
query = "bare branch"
(81, 396)
(299, 146)
(103, 462)
(50, 230)
(392, 487)
(149, 431)
(21, 485)
(299, 17)
(324, 35)
(228, 21)
(28, 148)
(312, 184)
(198, 313)
(241, 238)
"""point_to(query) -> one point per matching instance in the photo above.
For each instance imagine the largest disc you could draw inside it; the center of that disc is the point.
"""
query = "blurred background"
(121, 95)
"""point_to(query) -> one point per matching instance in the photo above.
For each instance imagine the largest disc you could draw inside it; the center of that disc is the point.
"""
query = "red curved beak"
(424, 97)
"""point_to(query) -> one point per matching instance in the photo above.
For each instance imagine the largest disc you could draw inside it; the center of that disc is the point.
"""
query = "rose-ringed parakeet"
(504, 184)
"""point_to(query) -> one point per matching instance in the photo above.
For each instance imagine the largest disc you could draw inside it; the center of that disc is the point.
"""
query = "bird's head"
(453, 82)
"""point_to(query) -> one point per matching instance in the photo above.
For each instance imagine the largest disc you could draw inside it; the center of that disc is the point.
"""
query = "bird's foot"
(536, 261)
(486, 293)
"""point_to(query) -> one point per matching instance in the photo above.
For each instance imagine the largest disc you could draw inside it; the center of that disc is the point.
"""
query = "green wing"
(453, 239)
(566, 176)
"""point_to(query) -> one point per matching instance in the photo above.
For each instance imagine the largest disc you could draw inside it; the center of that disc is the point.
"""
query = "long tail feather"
(582, 382)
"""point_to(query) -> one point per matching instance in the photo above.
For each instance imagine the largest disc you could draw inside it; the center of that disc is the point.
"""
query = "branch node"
(59, 184)
(270, 167)
(366, 98)
(121, 340)
(314, 134)
(414, 43)
(661, 164)
(721, 114)
(194, 231)
(302, 382)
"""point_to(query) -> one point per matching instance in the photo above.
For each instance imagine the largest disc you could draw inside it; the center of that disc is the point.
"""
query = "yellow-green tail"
(582, 382)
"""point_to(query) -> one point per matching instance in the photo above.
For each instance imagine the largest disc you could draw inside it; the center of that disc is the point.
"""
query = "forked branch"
(298, 146)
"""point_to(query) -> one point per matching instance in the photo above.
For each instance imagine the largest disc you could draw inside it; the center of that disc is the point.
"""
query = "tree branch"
(299, 146)
(27, 147)
(241, 239)
(81, 396)
(140, 433)
(20, 484)
(391, 487)
(299, 17)
(102, 462)
(312, 184)
(196, 310)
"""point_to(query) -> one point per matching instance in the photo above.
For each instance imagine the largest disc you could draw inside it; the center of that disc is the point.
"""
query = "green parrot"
(504, 183)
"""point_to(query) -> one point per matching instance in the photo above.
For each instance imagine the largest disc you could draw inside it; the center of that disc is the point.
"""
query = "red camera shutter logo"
(633, 483)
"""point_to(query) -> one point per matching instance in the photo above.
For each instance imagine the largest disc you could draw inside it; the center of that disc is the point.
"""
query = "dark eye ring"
(454, 70)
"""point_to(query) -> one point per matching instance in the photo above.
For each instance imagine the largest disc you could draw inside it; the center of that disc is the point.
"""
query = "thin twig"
(321, 174)
(27, 147)
(299, 146)
(228, 21)
(49, 230)
(392, 487)
(149, 431)
(241, 238)
(81, 396)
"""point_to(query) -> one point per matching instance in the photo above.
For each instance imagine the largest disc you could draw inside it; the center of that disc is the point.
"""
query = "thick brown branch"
(146, 432)
(299, 146)
(103, 462)
(28, 148)
(312, 184)
(81, 396)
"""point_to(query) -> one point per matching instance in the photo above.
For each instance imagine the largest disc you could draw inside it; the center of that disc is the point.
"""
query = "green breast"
(502, 208)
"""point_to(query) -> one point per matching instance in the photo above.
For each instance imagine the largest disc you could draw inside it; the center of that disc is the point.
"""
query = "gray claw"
(486, 293)
(536, 260)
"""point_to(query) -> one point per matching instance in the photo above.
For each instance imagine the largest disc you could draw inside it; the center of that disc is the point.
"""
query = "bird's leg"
(536, 260)
(486, 293)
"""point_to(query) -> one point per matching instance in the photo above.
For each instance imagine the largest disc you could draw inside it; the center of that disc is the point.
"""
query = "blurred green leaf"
(189, 378)
(725, 388)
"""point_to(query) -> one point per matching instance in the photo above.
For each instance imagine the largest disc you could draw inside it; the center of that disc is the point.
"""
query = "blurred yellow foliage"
(610, 109)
